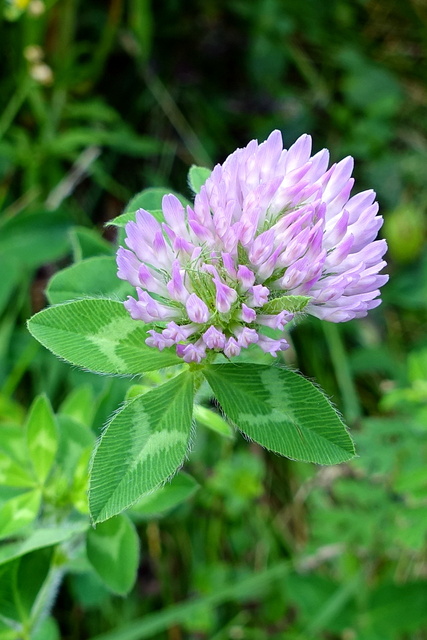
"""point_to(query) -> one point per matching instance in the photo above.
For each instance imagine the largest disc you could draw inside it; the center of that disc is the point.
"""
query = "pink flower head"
(268, 224)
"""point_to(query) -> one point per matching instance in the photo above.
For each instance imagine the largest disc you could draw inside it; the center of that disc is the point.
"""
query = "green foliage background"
(101, 99)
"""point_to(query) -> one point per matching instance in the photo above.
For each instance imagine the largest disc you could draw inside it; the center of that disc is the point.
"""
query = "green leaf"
(48, 630)
(178, 490)
(13, 474)
(93, 277)
(294, 304)
(113, 551)
(79, 488)
(10, 412)
(75, 438)
(19, 512)
(79, 405)
(41, 538)
(143, 446)
(98, 335)
(197, 177)
(42, 437)
(11, 274)
(150, 200)
(120, 139)
(397, 610)
(15, 468)
(129, 216)
(88, 243)
(212, 420)
(281, 411)
(20, 584)
(34, 238)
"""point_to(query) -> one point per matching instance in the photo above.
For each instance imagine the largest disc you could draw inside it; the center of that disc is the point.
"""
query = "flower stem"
(46, 596)
(197, 369)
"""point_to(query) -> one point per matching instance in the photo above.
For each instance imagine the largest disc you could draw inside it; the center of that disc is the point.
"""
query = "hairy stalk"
(46, 596)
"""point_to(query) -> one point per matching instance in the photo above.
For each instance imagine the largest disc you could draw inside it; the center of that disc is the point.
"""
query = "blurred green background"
(99, 100)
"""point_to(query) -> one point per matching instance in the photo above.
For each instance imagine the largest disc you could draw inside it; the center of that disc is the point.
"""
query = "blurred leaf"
(34, 238)
(93, 277)
(42, 437)
(413, 482)
(20, 582)
(150, 200)
(370, 88)
(124, 218)
(181, 488)
(74, 439)
(197, 177)
(408, 288)
(141, 23)
(376, 359)
(19, 512)
(121, 139)
(141, 447)
(11, 273)
(281, 411)
(88, 590)
(79, 489)
(41, 538)
(12, 443)
(113, 550)
(333, 606)
(238, 480)
(48, 630)
(417, 365)
(10, 411)
(79, 405)
(13, 474)
(405, 230)
(88, 243)
(212, 420)
(95, 109)
(395, 609)
(98, 335)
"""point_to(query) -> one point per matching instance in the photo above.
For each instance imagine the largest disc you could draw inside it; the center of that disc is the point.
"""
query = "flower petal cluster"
(269, 222)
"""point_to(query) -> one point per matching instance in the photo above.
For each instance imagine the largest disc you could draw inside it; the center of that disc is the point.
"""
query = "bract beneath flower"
(268, 224)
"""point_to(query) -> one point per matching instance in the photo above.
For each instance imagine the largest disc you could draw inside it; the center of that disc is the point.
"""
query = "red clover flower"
(269, 223)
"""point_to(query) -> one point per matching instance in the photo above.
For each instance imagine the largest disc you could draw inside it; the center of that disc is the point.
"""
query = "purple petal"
(272, 346)
(175, 286)
(246, 336)
(246, 277)
(247, 314)
(231, 348)
(128, 265)
(213, 338)
(197, 309)
(258, 296)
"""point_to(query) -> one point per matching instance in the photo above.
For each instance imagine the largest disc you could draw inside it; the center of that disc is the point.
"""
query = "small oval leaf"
(42, 437)
(113, 551)
(99, 335)
(93, 277)
(197, 177)
(178, 490)
(18, 512)
(282, 411)
(143, 446)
